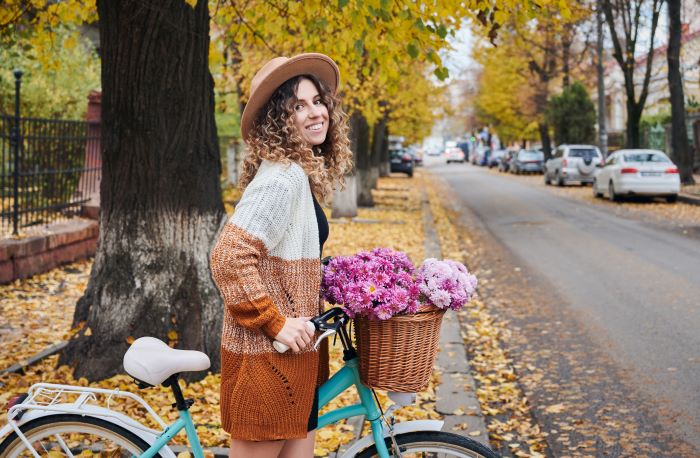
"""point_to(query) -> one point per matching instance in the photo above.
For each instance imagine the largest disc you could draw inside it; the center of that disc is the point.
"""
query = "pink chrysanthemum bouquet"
(445, 284)
(377, 284)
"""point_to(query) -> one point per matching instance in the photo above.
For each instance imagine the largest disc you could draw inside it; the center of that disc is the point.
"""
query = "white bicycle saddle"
(152, 361)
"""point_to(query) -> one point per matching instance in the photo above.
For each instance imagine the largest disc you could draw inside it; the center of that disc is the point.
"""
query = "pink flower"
(376, 284)
(445, 284)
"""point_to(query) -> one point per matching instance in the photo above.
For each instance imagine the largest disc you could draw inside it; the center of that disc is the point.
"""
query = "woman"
(266, 262)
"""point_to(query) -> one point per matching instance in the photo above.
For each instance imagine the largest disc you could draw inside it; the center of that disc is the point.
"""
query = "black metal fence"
(48, 169)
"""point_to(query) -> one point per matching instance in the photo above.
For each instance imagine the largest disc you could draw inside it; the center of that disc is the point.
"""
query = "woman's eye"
(318, 102)
(298, 107)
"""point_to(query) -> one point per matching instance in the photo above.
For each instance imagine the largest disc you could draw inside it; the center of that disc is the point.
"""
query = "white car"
(637, 172)
(454, 154)
(571, 163)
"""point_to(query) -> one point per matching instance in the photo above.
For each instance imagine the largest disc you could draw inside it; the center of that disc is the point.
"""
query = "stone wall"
(60, 243)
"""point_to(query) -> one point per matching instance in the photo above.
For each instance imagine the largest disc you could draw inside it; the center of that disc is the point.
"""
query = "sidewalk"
(456, 395)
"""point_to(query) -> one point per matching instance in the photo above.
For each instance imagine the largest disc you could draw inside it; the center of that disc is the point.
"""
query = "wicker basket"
(398, 354)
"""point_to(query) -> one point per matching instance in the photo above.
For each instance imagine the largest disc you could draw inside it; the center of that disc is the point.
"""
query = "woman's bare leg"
(299, 448)
(262, 449)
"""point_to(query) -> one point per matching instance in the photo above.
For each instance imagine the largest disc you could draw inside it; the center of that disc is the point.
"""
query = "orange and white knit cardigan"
(266, 265)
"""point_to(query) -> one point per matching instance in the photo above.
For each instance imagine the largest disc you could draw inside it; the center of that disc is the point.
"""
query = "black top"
(322, 222)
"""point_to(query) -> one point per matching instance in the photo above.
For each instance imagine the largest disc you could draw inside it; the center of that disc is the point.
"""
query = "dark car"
(401, 161)
(527, 161)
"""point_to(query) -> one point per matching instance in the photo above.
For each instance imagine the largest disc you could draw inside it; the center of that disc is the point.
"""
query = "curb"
(456, 392)
(687, 198)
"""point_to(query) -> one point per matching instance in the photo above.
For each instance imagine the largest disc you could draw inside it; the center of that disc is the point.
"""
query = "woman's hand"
(295, 334)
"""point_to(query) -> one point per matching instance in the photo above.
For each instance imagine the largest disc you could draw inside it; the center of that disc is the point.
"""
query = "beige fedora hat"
(278, 70)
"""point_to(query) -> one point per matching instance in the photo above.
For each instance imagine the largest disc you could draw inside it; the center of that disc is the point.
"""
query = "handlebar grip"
(281, 348)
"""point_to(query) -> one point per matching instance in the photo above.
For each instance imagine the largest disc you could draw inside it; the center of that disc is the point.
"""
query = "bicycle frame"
(185, 421)
(347, 376)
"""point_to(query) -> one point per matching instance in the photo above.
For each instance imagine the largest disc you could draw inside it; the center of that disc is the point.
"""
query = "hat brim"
(318, 65)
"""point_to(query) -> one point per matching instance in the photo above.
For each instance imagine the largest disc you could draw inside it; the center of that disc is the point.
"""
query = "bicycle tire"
(51, 425)
(434, 442)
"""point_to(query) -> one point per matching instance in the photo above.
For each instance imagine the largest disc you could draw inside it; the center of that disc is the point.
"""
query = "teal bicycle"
(67, 421)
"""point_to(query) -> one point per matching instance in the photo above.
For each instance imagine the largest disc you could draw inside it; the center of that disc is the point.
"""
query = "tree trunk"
(161, 204)
(566, 57)
(359, 137)
(384, 167)
(682, 155)
(379, 143)
(546, 142)
(634, 117)
(626, 17)
(345, 201)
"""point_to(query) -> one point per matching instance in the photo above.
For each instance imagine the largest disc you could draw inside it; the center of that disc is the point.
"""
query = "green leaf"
(432, 57)
(442, 31)
(442, 73)
(343, 3)
(419, 24)
(412, 50)
(359, 46)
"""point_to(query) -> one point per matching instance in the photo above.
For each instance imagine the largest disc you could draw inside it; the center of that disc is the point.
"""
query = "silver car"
(572, 163)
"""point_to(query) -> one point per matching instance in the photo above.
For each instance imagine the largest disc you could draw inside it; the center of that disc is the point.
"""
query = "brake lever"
(323, 336)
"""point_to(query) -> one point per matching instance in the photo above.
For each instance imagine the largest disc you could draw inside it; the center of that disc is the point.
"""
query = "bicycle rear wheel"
(434, 444)
(68, 435)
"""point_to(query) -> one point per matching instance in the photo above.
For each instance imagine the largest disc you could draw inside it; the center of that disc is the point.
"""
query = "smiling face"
(310, 113)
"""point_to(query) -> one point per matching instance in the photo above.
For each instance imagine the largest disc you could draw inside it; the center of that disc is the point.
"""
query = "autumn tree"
(502, 100)
(161, 203)
(530, 60)
(627, 22)
(54, 84)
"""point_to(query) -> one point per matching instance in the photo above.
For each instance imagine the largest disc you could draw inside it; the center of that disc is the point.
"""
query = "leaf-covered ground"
(37, 312)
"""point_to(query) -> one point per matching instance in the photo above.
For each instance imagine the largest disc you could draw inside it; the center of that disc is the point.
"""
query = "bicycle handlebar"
(321, 323)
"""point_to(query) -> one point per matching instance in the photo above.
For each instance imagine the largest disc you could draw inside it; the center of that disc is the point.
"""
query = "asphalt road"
(634, 285)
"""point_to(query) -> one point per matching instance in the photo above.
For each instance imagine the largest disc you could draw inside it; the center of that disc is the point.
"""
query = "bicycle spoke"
(64, 446)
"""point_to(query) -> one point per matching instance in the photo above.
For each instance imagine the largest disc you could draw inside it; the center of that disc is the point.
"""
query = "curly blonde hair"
(275, 137)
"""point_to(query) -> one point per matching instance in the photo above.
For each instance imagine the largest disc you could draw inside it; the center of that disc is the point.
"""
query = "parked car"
(637, 172)
(496, 157)
(454, 154)
(527, 161)
(401, 161)
(572, 163)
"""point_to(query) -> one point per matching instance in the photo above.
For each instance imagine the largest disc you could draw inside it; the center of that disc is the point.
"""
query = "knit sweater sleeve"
(259, 223)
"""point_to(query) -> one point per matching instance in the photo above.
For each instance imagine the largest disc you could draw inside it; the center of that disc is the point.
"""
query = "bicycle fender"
(399, 428)
(89, 411)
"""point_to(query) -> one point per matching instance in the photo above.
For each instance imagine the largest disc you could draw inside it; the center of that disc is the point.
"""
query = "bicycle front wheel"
(435, 444)
(67, 435)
